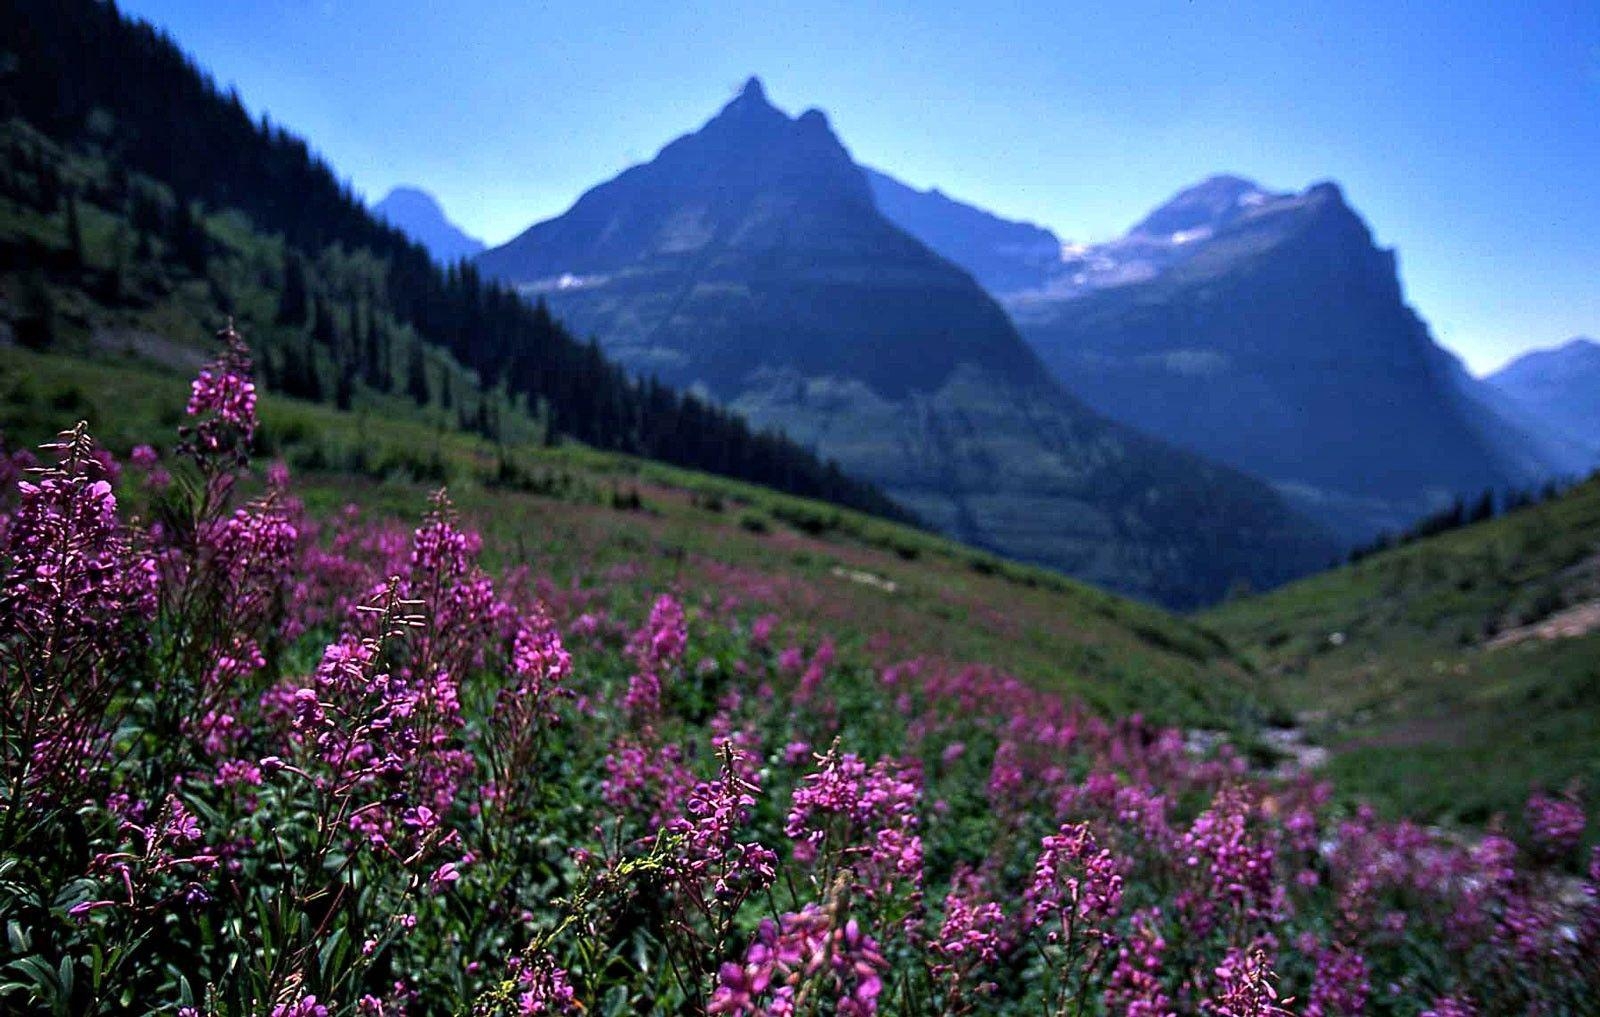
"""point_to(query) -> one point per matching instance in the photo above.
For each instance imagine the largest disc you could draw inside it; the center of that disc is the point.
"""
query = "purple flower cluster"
(1134, 987)
(543, 989)
(711, 857)
(1244, 987)
(804, 954)
(1341, 986)
(223, 399)
(1451, 1006)
(1076, 891)
(866, 817)
(75, 591)
(1557, 824)
(1230, 856)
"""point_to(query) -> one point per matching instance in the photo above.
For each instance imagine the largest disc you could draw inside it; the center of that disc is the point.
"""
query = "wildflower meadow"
(258, 760)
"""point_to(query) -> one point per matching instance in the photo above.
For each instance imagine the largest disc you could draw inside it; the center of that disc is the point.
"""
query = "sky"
(1466, 133)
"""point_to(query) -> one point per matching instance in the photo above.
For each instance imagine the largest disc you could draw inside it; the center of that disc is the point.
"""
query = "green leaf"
(331, 957)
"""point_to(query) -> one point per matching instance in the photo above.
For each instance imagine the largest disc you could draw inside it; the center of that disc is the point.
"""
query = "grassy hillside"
(576, 514)
(647, 744)
(1447, 675)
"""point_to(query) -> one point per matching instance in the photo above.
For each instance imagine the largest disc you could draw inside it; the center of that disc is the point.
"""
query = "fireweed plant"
(257, 762)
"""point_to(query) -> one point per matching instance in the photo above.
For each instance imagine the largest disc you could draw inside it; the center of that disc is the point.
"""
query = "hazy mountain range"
(1267, 331)
(1001, 254)
(1261, 330)
(1560, 386)
(750, 260)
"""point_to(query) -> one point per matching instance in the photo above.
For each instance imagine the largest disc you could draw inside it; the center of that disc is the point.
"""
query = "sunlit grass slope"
(1449, 674)
(576, 514)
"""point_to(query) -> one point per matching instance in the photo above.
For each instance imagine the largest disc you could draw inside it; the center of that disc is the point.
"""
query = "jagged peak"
(751, 98)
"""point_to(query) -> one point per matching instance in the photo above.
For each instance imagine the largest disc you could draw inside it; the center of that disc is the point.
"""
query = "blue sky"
(1468, 133)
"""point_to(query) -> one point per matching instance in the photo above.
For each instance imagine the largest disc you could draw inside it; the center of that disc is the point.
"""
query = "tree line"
(1459, 513)
(81, 72)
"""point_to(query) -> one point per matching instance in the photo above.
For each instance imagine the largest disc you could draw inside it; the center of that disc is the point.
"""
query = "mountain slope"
(417, 214)
(1268, 331)
(1002, 254)
(1560, 386)
(748, 259)
(1447, 675)
(139, 204)
(865, 580)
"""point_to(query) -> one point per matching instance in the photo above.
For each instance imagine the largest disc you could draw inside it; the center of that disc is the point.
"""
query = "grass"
(574, 513)
(1388, 662)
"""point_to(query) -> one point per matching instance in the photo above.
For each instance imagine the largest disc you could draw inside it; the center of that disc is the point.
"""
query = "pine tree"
(313, 379)
(189, 239)
(36, 328)
(324, 330)
(373, 368)
(344, 388)
(113, 283)
(293, 301)
(74, 231)
(416, 376)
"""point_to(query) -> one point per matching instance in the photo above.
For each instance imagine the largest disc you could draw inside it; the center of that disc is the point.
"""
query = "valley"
(763, 588)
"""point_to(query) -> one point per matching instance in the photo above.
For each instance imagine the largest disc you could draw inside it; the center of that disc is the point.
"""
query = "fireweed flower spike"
(711, 864)
(1076, 889)
(1245, 987)
(803, 956)
(222, 400)
(75, 592)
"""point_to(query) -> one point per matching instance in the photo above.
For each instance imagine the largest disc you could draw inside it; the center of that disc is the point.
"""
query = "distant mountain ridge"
(750, 260)
(417, 214)
(1002, 254)
(1268, 331)
(1560, 386)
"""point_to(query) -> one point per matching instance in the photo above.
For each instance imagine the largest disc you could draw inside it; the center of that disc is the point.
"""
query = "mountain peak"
(1560, 385)
(410, 197)
(1328, 190)
(1207, 204)
(751, 99)
(417, 213)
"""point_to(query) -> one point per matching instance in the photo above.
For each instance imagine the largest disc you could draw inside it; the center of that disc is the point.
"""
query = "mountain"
(417, 214)
(140, 204)
(749, 260)
(1002, 254)
(1560, 386)
(1268, 331)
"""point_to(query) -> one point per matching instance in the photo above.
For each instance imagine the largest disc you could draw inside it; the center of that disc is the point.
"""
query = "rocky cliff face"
(1269, 332)
(749, 260)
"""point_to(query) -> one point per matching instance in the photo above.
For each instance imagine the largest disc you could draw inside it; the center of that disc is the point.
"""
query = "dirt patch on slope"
(1578, 620)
